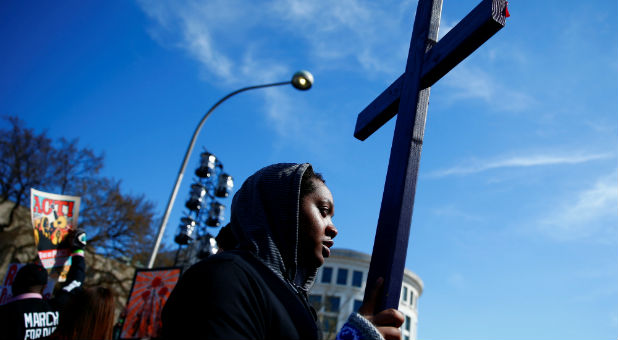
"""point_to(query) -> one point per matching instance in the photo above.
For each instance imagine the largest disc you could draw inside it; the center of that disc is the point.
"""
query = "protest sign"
(151, 288)
(53, 217)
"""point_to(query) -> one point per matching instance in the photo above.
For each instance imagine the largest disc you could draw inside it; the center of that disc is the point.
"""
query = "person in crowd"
(27, 315)
(89, 314)
(282, 220)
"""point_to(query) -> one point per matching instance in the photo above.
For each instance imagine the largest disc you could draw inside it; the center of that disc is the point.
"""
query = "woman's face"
(316, 225)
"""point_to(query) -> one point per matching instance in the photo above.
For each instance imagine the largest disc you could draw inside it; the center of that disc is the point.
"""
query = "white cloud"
(368, 34)
(329, 32)
(589, 214)
(197, 40)
(334, 34)
(470, 82)
(517, 161)
(236, 40)
(280, 112)
(454, 212)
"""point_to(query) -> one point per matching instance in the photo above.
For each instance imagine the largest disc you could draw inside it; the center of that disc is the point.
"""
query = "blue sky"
(515, 227)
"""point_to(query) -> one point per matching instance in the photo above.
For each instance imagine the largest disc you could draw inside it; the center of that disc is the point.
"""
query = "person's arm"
(366, 325)
(77, 272)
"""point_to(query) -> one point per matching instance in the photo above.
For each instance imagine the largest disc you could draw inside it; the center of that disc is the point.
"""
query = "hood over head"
(265, 220)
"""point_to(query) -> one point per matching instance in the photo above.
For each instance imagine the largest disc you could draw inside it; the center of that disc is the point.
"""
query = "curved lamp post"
(301, 80)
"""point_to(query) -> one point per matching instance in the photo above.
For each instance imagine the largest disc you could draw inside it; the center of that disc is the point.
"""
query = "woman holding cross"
(282, 221)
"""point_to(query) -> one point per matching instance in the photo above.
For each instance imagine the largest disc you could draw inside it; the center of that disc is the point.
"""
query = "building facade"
(340, 285)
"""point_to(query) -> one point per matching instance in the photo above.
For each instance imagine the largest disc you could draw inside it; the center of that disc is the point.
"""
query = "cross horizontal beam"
(471, 32)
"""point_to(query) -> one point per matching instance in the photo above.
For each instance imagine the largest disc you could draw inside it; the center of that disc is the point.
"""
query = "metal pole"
(172, 198)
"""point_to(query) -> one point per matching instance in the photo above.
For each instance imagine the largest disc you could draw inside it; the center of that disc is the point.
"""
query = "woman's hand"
(387, 321)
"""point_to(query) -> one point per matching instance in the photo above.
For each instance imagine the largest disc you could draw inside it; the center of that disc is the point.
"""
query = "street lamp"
(301, 80)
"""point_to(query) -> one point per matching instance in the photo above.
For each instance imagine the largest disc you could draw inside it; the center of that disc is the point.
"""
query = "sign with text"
(53, 217)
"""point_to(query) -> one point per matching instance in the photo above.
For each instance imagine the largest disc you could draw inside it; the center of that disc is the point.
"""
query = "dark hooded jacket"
(258, 290)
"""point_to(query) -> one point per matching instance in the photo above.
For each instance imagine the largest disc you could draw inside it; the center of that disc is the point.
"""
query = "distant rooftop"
(357, 255)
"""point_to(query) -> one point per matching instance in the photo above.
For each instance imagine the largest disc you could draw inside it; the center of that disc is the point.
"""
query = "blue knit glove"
(357, 328)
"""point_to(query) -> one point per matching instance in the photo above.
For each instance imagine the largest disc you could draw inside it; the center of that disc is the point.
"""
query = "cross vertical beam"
(391, 242)
(408, 97)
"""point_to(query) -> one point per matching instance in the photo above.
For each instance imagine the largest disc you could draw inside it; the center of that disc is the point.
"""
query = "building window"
(331, 304)
(342, 276)
(357, 304)
(327, 274)
(412, 297)
(407, 323)
(315, 301)
(329, 324)
(405, 293)
(357, 278)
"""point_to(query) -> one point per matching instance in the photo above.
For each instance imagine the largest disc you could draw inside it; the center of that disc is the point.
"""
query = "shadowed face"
(316, 225)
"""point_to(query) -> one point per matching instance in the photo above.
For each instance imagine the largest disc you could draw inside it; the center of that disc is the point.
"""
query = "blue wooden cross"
(428, 61)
